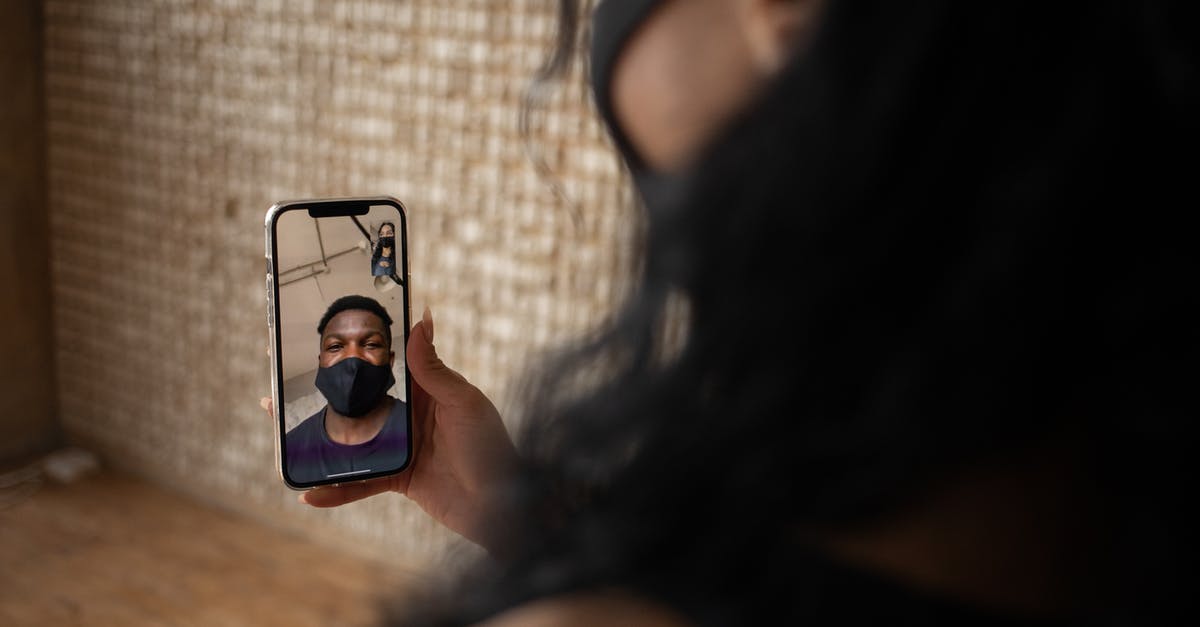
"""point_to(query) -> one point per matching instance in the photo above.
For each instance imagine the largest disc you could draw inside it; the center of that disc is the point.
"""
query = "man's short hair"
(364, 303)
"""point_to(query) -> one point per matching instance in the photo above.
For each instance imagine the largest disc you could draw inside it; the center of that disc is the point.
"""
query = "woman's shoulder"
(584, 609)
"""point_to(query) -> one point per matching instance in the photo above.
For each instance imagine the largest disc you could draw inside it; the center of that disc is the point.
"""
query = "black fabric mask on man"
(354, 386)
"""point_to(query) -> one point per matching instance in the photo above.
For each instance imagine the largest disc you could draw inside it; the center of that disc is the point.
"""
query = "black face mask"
(387, 242)
(353, 386)
(613, 22)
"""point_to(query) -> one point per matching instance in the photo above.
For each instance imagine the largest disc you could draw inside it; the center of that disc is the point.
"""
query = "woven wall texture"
(173, 125)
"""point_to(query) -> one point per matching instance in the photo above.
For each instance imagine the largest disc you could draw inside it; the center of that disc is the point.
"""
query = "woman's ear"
(775, 28)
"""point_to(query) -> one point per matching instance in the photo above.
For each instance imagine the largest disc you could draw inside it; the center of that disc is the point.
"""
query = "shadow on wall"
(29, 426)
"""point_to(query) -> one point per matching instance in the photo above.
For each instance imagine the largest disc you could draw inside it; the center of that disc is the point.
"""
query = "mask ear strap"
(613, 22)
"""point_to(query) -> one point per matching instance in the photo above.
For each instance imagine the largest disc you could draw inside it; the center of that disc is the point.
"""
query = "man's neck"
(347, 430)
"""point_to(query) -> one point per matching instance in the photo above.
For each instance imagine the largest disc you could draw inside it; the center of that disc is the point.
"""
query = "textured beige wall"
(172, 126)
(28, 424)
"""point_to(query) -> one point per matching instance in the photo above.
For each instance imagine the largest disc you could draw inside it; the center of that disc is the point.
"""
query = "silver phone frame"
(272, 311)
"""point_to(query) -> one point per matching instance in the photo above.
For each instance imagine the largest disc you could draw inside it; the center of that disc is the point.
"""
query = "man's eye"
(333, 347)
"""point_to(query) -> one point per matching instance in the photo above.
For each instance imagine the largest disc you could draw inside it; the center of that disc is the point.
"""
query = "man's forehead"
(353, 319)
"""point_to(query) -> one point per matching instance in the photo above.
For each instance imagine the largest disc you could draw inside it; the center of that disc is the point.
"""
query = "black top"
(312, 456)
(774, 587)
(815, 590)
(378, 269)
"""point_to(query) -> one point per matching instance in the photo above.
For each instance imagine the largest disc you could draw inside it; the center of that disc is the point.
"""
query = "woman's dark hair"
(948, 229)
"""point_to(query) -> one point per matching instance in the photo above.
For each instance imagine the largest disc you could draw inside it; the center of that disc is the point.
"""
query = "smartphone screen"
(338, 314)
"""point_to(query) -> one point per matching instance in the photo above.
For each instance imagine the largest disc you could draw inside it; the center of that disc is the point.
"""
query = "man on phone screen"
(361, 429)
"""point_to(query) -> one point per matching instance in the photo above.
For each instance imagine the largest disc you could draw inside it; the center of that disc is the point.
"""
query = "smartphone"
(338, 316)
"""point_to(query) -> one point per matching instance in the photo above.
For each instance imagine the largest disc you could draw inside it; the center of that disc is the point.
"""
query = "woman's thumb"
(435, 377)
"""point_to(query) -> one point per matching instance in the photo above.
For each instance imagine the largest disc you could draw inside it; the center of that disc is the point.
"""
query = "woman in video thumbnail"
(383, 258)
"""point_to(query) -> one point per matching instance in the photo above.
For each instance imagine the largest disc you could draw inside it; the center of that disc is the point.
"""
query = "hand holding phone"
(323, 255)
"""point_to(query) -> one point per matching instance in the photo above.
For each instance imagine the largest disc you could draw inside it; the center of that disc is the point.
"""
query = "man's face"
(355, 333)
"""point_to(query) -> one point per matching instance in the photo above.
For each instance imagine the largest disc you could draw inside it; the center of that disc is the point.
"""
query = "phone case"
(334, 208)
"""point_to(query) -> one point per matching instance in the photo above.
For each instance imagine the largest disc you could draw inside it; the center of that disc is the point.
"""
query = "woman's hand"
(461, 449)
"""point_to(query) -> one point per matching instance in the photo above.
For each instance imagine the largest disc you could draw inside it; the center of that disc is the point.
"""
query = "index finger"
(335, 495)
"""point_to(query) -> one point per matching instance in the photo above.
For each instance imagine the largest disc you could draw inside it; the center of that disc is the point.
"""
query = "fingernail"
(264, 402)
(427, 324)
(302, 498)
